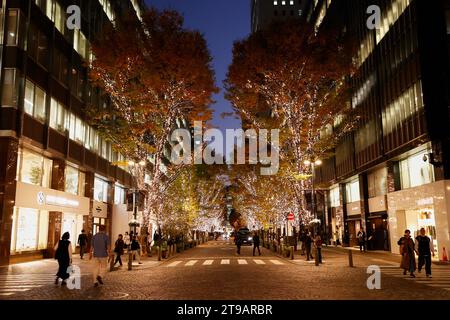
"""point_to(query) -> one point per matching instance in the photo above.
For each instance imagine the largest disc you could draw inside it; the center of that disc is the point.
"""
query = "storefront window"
(34, 169)
(377, 183)
(423, 218)
(352, 191)
(77, 129)
(414, 171)
(100, 190)
(72, 223)
(30, 230)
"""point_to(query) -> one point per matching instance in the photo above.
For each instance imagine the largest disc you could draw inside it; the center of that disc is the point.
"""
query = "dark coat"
(119, 246)
(408, 254)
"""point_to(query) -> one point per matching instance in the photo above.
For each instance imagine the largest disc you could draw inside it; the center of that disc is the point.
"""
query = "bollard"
(130, 260)
(316, 258)
(111, 263)
(350, 258)
(292, 253)
(159, 253)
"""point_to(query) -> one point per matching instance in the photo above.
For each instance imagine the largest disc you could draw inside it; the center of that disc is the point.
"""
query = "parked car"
(245, 236)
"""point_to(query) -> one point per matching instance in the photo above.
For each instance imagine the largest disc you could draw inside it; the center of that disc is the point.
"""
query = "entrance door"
(352, 233)
(379, 239)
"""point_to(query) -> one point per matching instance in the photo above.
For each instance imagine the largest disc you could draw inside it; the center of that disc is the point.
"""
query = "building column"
(55, 217)
(8, 168)
(89, 193)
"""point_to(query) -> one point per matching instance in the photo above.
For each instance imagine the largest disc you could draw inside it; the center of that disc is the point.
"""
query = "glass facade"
(74, 181)
(100, 190)
(30, 230)
(352, 191)
(414, 171)
(377, 182)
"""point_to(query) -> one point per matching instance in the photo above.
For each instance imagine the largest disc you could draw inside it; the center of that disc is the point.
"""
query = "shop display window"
(414, 171)
(377, 183)
(423, 218)
(352, 191)
(30, 230)
(100, 190)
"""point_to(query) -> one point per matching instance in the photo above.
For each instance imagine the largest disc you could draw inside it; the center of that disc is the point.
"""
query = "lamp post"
(313, 163)
(134, 223)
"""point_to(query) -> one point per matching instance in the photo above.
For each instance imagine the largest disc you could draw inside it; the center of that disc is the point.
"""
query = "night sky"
(221, 22)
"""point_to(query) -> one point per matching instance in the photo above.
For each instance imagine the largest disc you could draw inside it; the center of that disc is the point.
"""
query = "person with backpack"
(63, 253)
(424, 248)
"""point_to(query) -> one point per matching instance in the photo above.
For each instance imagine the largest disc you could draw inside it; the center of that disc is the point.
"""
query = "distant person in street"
(63, 253)
(318, 246)
(337, 242)
(82, 242)
(407, 250)
(361, 240)
(100, 250)
(135, 249)
(308, 243)
(238, 243)
(256, 243)
(424, 248)
(302, 239)
(119, 249)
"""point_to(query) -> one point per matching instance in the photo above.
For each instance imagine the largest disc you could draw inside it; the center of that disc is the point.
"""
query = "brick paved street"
(214, 271)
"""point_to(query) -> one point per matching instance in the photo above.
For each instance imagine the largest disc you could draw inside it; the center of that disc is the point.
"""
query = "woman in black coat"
(63, 253)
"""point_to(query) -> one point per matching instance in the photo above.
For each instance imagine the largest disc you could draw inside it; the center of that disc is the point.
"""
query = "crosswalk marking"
(191, 263)
(174, 264)
(213, 262)
(441, 276)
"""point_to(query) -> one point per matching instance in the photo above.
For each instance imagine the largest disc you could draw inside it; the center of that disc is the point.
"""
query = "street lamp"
(313, 163)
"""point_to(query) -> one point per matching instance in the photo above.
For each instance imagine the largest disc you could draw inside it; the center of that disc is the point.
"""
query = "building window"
(335, 200)
(58, 115)
(92, 140)
(34, 169)
(75, 181)
(34, 103)
(100, 190)
(390, 15)
(81, 44)
(291, 2)
(30, 230)
(10, 88)
(12, 28)
(377, 183)
(275, 3)
(108, 9)
(352, 191)
(119, 195)
(283, 3)
(414, 171)
(403, 108)
(77, 129)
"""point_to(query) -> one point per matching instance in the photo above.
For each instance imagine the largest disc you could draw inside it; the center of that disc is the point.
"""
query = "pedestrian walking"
(135, 249)
(407, 250)
(238, 243)
(256, 243)
(63, 253)
(100, 250)
(424, 248)
(308, 243)
(337, 242)
(361, 240)
(318, 246)
(82, 242)
(119, 249)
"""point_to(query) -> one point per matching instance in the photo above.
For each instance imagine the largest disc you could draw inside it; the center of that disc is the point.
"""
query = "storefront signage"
(377, 204)
(56, 201)
(36, 197)
(425, 201)
(354, 208)
(100, 209)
